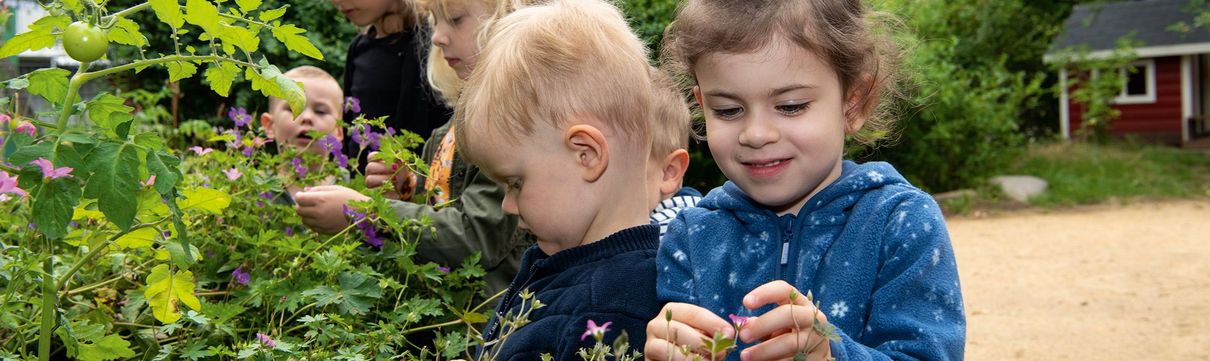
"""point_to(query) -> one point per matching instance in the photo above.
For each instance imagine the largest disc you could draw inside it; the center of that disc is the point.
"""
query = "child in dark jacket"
(559, 112)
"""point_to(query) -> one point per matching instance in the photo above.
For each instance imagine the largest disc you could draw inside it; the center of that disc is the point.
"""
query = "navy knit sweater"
(611, 280)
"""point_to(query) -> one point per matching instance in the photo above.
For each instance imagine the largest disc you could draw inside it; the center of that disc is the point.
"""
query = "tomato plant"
(85, 43)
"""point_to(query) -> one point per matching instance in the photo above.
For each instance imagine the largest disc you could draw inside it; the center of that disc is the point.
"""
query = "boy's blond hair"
(311, 72)
(552, 63)
(672, 123)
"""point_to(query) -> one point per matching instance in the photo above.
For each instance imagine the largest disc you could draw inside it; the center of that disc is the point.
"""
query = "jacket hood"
(829, 206)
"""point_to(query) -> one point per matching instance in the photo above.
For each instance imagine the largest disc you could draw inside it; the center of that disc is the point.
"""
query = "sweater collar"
(638, 238)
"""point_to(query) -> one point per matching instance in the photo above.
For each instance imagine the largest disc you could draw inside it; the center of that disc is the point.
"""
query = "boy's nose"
(509, 205)
(438, 37)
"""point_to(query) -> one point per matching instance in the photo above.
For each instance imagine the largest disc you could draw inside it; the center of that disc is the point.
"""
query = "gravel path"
(1120, 282)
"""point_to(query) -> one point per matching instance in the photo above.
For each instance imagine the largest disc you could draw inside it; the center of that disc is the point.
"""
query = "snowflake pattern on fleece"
(873, 249)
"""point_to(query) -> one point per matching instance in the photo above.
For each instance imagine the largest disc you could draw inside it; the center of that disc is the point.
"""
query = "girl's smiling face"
(454, 31)
(775, 121)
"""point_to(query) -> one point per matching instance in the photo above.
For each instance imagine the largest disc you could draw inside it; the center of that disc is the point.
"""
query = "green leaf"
(165, 290)
(178, 70)
(73, 5)
(108, 111)
(203, 14)
(243, 38)
(168, 11)
(248, 5)
(49, 83)
(175, 252)
(166, 168)
(354, 297)
(126, 32)
(39, 36)
(270, 15)
(291, 36)
(221, 75)
(53, 204)
(29, 153)
(115, 178)
(270, 82)
(204, 199)
(139, 238)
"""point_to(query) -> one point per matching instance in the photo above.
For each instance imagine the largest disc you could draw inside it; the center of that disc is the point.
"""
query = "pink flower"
(49, 171)
(258, 141)
(233, 174)
(738, 321)
(595, 331)
(8, 184)
(27, 128)
(4, 118)
(150, 181)
(200, 151)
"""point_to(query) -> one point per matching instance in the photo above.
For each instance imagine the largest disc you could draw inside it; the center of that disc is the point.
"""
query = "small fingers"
(786, 346)
(776, 292)
(781, 320)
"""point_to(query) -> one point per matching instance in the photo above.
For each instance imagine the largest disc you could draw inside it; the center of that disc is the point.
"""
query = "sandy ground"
(1126, 282)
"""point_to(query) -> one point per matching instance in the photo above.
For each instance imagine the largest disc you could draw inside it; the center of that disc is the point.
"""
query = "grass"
(1086, 173)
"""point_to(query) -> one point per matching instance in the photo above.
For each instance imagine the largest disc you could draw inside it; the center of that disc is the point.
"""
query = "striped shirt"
(666, 211)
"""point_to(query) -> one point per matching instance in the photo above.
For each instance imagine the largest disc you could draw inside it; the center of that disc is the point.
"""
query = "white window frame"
(1147, 68)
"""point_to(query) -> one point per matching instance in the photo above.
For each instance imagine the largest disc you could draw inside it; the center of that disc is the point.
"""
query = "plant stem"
(73, 87)
(166, 59)
(48, 306)
(132, 10)
(100, 248)
(94, 286)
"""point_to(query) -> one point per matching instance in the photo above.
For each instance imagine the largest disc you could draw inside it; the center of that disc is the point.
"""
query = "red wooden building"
(1167, 98)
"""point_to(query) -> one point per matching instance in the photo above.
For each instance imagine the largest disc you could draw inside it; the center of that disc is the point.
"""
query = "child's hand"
(320, 207)
(785, 330)
(379, 173)
(689, 325)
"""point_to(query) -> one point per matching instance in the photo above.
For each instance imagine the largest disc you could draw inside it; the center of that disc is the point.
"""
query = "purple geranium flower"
(366, 227)
(289, 231)
(443, 269)
(240, 116)
(8, 184)
(299, 167)
(264, 339)
(352, 104)
(595, 331)
(738, 321)
(366, 137)
(27, 128)
(240, 276)
(49, 171)
(329, 144)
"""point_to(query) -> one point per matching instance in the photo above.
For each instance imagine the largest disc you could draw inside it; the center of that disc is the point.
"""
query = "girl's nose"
(759, 131)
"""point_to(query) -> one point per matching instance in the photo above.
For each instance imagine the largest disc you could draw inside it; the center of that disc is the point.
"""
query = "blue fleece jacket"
(872, 249)
(611, 280)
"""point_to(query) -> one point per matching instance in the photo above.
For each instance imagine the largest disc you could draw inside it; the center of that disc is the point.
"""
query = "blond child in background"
(559, 111)
(783, 84)
(321, 114)
(473, 221)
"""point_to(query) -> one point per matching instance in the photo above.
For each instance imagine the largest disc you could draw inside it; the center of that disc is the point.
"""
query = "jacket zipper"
(508, 304)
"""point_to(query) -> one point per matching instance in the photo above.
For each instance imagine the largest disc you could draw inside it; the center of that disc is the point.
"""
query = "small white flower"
(936, 256)
(680, 256)
(875, 176)
(839, 309)
(732, 279)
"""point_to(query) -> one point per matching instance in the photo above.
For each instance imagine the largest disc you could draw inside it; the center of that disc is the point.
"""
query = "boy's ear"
(673, 172)
(266, 123)
(588, 145)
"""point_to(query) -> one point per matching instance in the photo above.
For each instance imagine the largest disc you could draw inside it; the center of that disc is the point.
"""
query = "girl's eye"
(728, 113)
(792, 109)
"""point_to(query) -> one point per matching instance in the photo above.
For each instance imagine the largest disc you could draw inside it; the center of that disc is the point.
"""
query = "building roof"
(1100, 25)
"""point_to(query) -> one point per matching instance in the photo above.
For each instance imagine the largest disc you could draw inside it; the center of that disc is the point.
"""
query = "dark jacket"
(611, 280)
(386, 75)
(473, 222)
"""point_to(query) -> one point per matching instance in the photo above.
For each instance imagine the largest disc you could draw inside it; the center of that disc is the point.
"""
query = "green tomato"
(84, 42)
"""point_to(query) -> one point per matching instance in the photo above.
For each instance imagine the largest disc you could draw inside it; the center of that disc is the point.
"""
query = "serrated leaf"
(221, 75)
(178, 70)
(151, 205)
(168, 11)
(178, 256)
(139, 238)
(203, 14)
(40, 36)
(29, 153)
(271, 82)
(73, 5)
(149, 140)
(166, 289)
(248, 5)
(49, 83)
(115, 178)
(166, 168)
(205, 200)
(126, 32)
(17, 83)
(292, 36)
(53, 204)
(108, 111)
(243, 38)
(270, 15)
